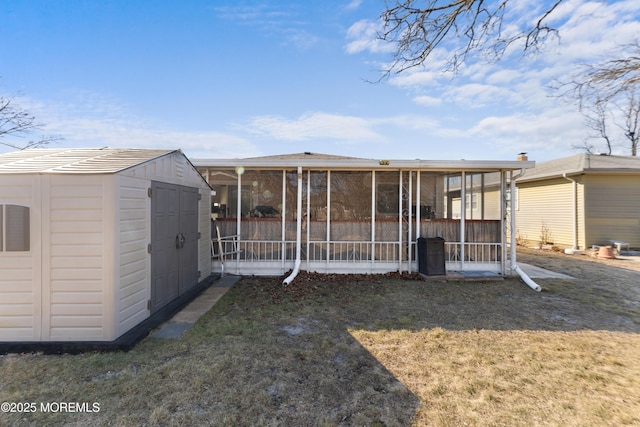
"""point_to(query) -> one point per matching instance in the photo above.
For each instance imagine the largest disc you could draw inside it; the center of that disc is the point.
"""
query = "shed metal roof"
(76, 160)
(583, 163)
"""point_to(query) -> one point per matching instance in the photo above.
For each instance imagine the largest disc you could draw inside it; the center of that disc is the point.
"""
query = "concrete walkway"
(541, 273)
(189, 315)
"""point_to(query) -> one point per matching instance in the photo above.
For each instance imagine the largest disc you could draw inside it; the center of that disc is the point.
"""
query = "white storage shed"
(95, 242)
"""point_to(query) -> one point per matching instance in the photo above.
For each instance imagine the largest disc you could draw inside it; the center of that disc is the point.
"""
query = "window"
(14, 228)
(472, 202)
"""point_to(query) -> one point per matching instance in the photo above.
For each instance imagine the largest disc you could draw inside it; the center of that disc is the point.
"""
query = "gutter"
(575, 210)
(296, 266)
(514, 266)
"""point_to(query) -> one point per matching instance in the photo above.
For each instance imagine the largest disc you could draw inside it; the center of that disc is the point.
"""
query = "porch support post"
(414, 261)
(400, 222)
(239, 217)
(284, 220)
(328, 249)
(417, 205)
(463, 213)
(373, 219)
(482, 196)
(307, 217)
(512, 220)
(409, 220)
(503, 222)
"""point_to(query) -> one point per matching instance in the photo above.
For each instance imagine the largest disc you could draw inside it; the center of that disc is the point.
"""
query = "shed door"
(174, 242)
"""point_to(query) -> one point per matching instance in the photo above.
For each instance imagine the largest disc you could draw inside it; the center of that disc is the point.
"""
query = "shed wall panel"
(20, 271)
(133, 265)
(74, 308)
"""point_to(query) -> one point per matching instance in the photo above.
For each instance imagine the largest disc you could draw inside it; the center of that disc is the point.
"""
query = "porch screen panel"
(440, 206)
(317, 215)
(431, 196)
(291, 204)
(314, 223)
(350, 208)
(262, 205)
(387, 206)
(224, 199)
(482, 208)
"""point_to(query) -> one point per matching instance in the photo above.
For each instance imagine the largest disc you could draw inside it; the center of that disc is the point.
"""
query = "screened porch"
(354, 221)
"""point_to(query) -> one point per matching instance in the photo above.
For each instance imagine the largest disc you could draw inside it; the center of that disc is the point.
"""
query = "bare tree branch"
(419, 27)
(612, 83)
(631, 113)
(18, 123)
(596, 120)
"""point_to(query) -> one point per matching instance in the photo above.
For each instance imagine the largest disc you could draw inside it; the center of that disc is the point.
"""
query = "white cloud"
(271, 19)
(363, 36)
(408, 122)
(503, 76)
(90, 120)
(415, 78)
(302, 40)
(476, 95)
(427, 101)
(315, 125)
(353, 4)
(553, 130)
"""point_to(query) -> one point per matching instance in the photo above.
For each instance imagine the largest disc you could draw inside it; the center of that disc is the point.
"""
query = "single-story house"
(340, 214)
(95, 242)
(580, 201)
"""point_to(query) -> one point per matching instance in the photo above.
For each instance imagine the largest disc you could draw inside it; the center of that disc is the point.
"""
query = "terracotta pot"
(606, 252)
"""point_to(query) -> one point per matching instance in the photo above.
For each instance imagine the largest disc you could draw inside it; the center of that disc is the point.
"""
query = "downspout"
(575, 211)
(514, 266)
(296, 266)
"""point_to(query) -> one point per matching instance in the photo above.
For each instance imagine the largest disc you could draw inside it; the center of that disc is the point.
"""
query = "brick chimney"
(522, 157)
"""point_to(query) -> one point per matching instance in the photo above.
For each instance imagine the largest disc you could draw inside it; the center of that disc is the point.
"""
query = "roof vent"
(522, 157)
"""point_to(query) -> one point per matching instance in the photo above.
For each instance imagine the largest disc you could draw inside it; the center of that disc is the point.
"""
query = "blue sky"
(223, 79)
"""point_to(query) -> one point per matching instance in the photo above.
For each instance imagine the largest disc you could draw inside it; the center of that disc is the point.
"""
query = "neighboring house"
(580, 201)
(342, 214)
(96, 244)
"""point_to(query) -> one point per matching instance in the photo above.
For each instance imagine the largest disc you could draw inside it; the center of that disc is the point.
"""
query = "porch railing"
(473, 253)
(282, 253)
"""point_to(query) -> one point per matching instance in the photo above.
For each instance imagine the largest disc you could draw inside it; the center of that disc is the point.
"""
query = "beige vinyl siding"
(74, 244)
(134, 262)
(20, 271)
(492, 204)
(613, 209)
(547, 203)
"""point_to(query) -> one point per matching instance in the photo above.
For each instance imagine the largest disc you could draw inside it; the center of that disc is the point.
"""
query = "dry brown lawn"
(370, 351)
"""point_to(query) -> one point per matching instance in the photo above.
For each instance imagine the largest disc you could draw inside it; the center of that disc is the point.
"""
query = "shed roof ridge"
(78, 160)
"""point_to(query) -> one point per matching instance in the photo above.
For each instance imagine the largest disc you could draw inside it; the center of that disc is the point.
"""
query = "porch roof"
(324, 161)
